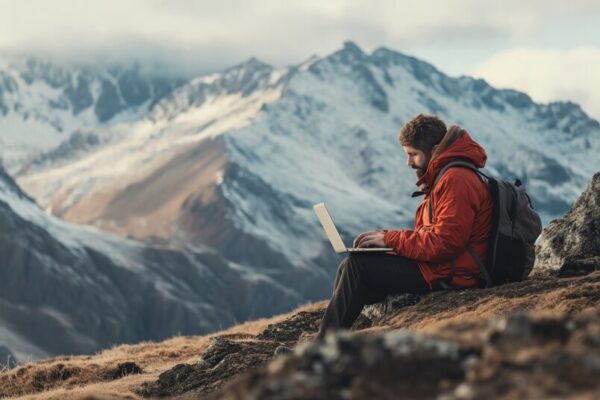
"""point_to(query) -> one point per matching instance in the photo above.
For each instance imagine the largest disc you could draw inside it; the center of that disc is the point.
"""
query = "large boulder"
(571, 245)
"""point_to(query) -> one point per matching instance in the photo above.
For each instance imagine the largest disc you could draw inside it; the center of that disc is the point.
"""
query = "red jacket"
(462, 208)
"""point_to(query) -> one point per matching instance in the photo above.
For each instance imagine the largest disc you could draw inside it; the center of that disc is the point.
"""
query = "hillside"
(512, 354)
(537, 338)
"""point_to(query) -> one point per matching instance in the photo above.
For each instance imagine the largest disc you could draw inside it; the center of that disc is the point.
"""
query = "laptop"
(334, 236)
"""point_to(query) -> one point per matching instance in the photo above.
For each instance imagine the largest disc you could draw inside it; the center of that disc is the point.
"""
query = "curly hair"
(422, 132)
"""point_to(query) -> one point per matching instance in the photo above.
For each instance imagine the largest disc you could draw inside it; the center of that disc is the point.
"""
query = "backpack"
(515, 227)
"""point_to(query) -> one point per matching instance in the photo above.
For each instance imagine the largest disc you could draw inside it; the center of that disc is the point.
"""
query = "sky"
(549, 49)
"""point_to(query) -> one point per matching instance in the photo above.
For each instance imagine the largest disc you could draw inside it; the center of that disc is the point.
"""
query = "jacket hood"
(456, 144)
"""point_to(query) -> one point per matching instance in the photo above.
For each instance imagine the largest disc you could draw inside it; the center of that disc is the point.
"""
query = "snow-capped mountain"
(235, 160)
(42, 104)
(247, 151)
(69, 289)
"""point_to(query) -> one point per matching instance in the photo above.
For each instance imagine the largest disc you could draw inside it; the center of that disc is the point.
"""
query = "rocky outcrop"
(519, 356)
(510, 352)
(571, 245)
(229, 356)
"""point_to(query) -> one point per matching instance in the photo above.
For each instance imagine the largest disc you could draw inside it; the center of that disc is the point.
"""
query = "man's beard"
(420, 171)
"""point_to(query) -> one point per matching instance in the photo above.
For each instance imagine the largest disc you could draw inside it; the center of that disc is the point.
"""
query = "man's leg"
(365, 278)
(338, 273)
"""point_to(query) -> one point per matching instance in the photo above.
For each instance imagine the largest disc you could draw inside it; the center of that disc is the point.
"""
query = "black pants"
(368, 278)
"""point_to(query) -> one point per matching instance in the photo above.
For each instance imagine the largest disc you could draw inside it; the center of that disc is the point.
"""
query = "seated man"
(434, 254)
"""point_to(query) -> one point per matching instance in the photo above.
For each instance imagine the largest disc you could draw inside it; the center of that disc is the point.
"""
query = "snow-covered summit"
(42, 103)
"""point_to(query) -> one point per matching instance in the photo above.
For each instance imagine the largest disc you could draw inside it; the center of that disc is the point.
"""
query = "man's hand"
(369, 239)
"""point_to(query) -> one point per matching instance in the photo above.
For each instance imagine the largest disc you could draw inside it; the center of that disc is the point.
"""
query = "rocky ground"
(525, 354)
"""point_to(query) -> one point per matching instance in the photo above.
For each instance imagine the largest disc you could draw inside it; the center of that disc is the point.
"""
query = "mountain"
(43, 103)
(69, 289)
(235, 159)
(231, 163)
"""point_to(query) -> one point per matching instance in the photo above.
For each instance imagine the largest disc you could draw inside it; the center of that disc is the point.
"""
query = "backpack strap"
(447, 284)
(484, 272)
(457, 163)
(464, 164)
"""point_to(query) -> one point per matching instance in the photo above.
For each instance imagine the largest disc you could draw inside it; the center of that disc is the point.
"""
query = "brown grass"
(79, 377)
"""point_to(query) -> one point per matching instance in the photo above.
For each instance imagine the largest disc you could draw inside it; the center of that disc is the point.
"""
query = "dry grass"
(79, 377)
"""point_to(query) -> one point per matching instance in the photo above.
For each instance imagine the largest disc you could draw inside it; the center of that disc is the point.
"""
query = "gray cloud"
(548, 75)
(193, 37)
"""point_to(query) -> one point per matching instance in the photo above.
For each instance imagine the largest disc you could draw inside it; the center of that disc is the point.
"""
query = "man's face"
(417, 160)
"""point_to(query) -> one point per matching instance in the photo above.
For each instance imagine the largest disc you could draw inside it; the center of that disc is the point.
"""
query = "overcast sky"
(550, 49)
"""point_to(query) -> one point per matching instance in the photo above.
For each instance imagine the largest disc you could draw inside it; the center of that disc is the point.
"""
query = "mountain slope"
(68, 289)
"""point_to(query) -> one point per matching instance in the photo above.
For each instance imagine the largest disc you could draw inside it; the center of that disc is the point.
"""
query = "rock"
(571, 245)
(391, 304)
(520, 357)
(223, 360)
(527, 357)
(227, 357)
(219, 348)
(290, 329)
(520, 327)
(392, 365)
(581, 266)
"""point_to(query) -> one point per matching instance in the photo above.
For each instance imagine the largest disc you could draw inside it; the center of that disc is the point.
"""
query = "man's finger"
(375, 240)
(359, 238)
(365, 243)
(365, 239)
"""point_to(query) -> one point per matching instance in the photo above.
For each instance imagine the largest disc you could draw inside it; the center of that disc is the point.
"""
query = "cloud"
(197, 36)
(548, 75)
(187, 38)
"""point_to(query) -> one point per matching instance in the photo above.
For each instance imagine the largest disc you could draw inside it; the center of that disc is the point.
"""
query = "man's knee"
(356, 261)
(343, 264)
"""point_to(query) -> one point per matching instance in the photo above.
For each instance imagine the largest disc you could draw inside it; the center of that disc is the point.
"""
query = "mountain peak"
(252, 63)
(349, 54)
(352, 47)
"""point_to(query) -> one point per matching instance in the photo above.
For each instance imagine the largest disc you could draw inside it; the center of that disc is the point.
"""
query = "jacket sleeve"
(454, 208)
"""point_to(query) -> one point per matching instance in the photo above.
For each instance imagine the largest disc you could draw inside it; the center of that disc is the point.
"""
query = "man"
(434, 254)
